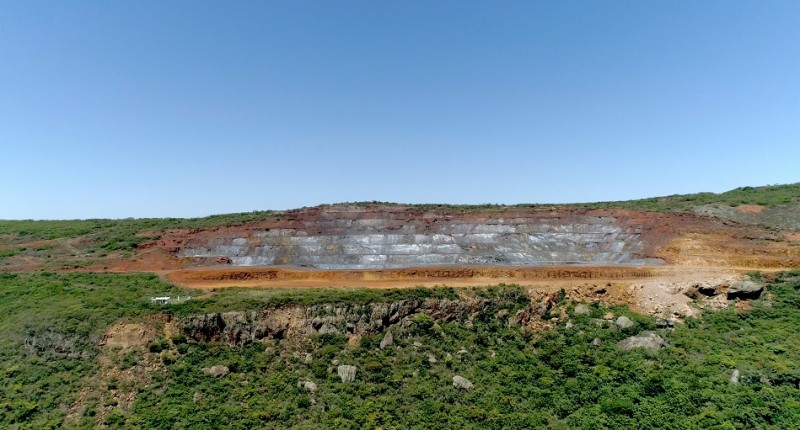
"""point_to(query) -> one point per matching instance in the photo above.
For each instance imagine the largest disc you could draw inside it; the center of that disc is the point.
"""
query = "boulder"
(388, 340)
(347, 372)
(744, 290)
(624, 322)
(582, 309)
(648, 340)
(462, 383)
(597, 342)
(735, 377)
(216, 370)
(309, 386)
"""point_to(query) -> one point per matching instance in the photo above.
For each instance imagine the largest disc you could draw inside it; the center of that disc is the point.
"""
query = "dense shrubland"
(567, 377)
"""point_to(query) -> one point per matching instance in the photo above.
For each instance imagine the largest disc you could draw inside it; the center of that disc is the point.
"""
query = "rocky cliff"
(244, 327)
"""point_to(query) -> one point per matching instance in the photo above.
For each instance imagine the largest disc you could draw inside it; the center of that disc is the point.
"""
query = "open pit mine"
(645, 259)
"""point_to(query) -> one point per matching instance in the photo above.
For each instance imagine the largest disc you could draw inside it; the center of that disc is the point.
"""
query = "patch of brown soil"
(407, 277)
(128, 335)
(754, 249)
(115, 384)
(792, 236)
(750, 209)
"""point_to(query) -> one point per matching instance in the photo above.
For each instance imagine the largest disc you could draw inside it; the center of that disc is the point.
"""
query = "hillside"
(673, 312)
(105, 235)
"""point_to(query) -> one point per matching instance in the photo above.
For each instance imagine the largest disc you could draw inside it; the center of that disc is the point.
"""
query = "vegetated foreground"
(86, 349)
(676, 312)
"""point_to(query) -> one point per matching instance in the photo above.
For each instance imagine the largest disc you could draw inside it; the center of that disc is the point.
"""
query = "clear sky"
(166, 108)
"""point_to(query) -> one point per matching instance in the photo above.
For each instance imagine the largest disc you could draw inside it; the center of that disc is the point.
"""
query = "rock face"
(648, 340)
(462, 383)
(745, 290)
(363, 238)
(246, 327)
(347, 373)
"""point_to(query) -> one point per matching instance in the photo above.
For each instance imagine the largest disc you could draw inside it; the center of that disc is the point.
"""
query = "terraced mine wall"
(360, 238)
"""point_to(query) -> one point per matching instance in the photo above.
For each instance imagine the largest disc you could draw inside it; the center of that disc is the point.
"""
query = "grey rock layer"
(372, 243)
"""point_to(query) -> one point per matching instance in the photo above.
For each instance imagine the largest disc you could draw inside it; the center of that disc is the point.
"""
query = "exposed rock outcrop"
(624, 322)
(734, 379)
(309, 386)
(462, 383)
(582, 309)
(648, 340)
(216, 370)
(388, 340)
(347, 373)
(245, 327)
(745, 290)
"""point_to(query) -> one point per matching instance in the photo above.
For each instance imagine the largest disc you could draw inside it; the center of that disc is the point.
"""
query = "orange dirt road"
(277, 277)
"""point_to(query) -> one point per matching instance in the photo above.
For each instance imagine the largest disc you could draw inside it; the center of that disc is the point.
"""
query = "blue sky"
(154, 108)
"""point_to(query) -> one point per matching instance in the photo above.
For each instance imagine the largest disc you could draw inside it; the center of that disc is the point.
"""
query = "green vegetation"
(118, 235)
(52, 324)
(770, 196)
(230, 299)
(556, 379)
(49, 330)
(10, 252)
